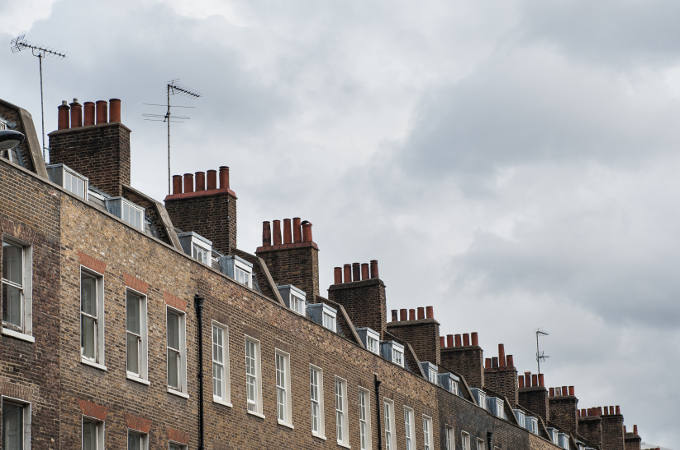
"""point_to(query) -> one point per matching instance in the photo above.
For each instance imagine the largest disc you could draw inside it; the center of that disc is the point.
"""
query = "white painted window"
(328, 318)
(372, 344)
(137, 336)
(177, 352)
(176, 446)
(16, 289)
(253, 376)
(364, 419)
(409, 428)
(390, 432)
(127, 211)
(91, 317)
(137, 440)
(316, 395)
(240, 270)
(75, 183)
(93, 434)
(449, 438)
(220, 364)
(341, 419)
(465, 440)
(480, 444)
(427, 433)
(284, 398)
(398, 355)
(298, 304)
(200, 254)
(16, 424)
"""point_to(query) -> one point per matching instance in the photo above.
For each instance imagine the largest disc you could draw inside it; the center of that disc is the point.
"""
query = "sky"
(512, 163)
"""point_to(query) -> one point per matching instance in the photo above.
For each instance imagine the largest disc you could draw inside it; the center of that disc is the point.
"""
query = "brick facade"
(465, 359)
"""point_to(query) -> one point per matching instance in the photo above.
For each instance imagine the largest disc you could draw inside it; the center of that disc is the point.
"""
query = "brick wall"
(590, 427)
(422, 332)
(612, 430)
(500, 375)
(100, 152)
(466, 358)
(563, 406)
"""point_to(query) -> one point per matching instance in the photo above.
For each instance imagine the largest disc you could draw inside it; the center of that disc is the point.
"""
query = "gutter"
(376, 386)
(198, 303)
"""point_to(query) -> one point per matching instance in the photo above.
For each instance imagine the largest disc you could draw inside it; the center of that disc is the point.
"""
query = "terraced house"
(131, 323)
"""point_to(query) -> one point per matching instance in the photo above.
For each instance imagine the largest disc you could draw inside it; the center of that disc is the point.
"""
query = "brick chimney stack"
(500, 375)
(465, 358)
(362, 294)
(534, 396)
(422, 333)
(292, 258)
(632, 439)
(563, 407)
(99, 151)
(208, 210)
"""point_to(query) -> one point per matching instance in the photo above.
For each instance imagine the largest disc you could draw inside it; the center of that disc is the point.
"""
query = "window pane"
(12, 426)
(11, 262)
(173, 369)
(88, 294)
(173, 330)
(134, 441)
(88, 330)
(11, 305)
(133, 313)
(89, 435)
(133, 353)
(217, 380)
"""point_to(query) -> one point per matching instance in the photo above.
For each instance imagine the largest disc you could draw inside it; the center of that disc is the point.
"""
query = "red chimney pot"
(475, 339)
(200, 181)
(356, 271)
(520, 381)
(571, 390)
(89, 114)
(63, 122)
(102, 111)
(266, 229)
(348, 273)
(364, 271)
(337, 276)
(212, 179)
(449, 340)
(458, 342)
(494, 362)
(188, 182)
(297, 230)
(466, 340)
(429, 312)
(501, 355)
(421, 312)
(403, 314)
(114, 110)
(487, 363)
(509, 361)
(442, 342)
(224, 177)
(412, 314)
(277, 232)
(177, 184)
(287, 232)
(76, 114)
(374, 268)
(540, 380)
(307, 231)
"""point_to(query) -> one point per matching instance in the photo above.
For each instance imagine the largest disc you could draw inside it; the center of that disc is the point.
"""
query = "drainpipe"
(198, 303)
(376, 385)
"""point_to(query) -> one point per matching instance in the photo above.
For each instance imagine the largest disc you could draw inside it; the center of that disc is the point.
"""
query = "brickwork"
(500, 375)
(29, 151)
(99, 152)
(535, 399)
(612, 431)
(296, 264)
(563, 412)
(364, 301)
(466, 360)
(423, 335)
(632, 441)
(590, 427)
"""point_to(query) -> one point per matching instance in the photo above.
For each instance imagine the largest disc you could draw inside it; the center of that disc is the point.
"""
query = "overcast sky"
(512, 163)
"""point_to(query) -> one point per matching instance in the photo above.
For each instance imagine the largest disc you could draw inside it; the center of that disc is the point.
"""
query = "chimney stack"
(422, 332)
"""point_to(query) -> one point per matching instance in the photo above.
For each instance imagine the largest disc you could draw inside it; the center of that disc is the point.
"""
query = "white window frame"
(199, 252)
(297, 303)
(254, 376)
(409, 428)
(26, 418)
(329, 318)
(372, 343)
(24, 331)
(247, 271)
(176, 446)
(143, 343)
(341, 416)
(465, 440)
(398, 349)
(284, 395)
(99, 360)
(131, 207)
(428, 441)
(390, 431)
(365, 435)
(225, 384)
(480, 444)
(99, 431)
(316, 399)
(449, 438)
(143, 439)
(181, 389)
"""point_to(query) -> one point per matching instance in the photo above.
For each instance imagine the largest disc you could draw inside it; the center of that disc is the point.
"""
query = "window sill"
(342, 444)
(96, 365)
(177, 393)
(18, 335)
(222, 402)
(286, 424)
(137, 379)
(318, 436)
(256, 414)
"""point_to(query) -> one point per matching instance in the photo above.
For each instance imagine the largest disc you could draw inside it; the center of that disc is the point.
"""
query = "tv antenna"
(172, 89)
(540, 355)
(17, 45)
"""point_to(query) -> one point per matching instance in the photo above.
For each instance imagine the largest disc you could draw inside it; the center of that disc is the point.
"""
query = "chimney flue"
(509, 361)
(520, 381)
(76, 114)
(501, 355)
(277, 230)
(188, 182)
(429, 312)
(466, 340)
(534, 380)
(403, 314)
(266, 229)
(635, 430)
(177, 184)
(212, 179)
(200, 181)
(114, 110)
(442, 342)
(356, 271)
(287, 232)
(337, 275)
(411, 314)
(102, 111)
(540, 380)
(421, 312)
(449, 340)
(348, 273)
(307, 231)
(89, 113)
(63, 122)
(364, 271)
(374, 268)
(571, 390)
(494, 362)
(224, 177)
(475, 339)
(395, 315)
(297, 230)
(457, 339)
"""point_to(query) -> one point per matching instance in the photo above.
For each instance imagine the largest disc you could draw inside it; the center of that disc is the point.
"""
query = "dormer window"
(564, 441)
(449, 382)
(430, 371)
(197, 246)
(554, 435)
(531, 424)
(480, 397)
(127, 211)
(495, 406)
(294, 298)
(323, 314)
(370, 338)
(393, 351)
(69, 179)
(238, 268)
(520, 416)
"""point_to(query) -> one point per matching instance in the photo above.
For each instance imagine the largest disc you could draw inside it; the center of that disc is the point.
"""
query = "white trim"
(177, 393)
(225, 399)
(320, 432)
(27, 417)
(144, 445)
(428, 435)
(100, 430)
(287, 425)
(143, 374)
(342, 425)
(26, 287)
(366, 412)
(99, 360)
(182, 368)
(257, 401)
(256, 414)
(131, 377)
(220, 402)
(409, 428)
(288, 419)
(18, 335)
(87, 362)
(449, 437)
(391, 439)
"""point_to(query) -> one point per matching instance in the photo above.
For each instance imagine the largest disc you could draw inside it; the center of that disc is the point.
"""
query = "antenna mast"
(173, 88)
(19, 44)
(540, 356)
